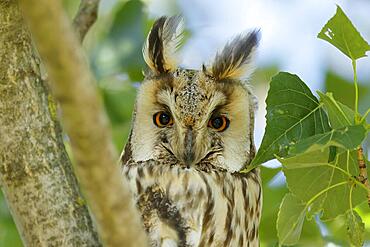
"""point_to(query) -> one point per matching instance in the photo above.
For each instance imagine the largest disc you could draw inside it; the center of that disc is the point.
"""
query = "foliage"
(355, 228)
(340, 32)
(317, 142)
(117, 37)
(293, 113)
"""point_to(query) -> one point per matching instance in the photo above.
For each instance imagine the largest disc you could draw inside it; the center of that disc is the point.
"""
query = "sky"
(289, 29)
(289, 36)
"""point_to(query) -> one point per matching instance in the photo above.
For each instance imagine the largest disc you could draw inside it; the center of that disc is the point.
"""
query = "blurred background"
(289, 29)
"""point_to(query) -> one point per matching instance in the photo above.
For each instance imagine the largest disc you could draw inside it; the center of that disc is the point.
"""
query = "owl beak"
(189, 154)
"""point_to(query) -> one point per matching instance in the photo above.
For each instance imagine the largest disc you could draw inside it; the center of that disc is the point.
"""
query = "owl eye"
(162, 119)
(219, 123)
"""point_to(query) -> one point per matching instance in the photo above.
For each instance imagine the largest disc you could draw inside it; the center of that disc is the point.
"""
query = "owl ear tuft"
(162, 42)
(235, 60)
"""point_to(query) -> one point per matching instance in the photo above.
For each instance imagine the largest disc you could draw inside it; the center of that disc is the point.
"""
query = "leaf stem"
(365, 115)
(323, 191)
(350, 177)
(347, 162)
(350, 198)
(308, 204)
(354, 66)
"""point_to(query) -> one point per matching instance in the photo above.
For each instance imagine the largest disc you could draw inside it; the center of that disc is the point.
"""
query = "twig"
(363, 172)
(86, 124)
(86, 16)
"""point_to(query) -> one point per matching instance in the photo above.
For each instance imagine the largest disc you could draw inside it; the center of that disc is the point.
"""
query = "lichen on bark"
(35, 172)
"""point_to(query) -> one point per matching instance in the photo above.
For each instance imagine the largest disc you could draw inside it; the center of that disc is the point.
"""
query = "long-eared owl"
(192, 133)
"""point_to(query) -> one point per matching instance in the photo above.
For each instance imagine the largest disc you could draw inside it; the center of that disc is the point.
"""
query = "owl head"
(194, 118)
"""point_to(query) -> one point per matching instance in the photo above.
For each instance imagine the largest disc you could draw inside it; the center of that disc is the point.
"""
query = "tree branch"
(35, 172)
(87, 126)
(363, 172)
(86, 16)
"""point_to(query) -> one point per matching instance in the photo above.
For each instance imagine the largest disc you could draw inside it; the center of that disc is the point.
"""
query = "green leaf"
(317, 157)
(339, 115)
(341, 33)
(272, 196)
(290, 219)
(293, 113)
(307, 174)
(348, 138)
(338, 199)
(308, 181)
(355, 228)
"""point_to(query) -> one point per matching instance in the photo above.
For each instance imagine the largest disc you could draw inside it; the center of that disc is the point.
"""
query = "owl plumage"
(192, 133)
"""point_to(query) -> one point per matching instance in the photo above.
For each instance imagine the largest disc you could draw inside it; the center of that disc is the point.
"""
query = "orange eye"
(162, 119)
(219, 123)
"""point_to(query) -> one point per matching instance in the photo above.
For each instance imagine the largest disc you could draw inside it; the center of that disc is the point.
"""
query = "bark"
(86, 16)
(35, 172)
(363, 178)
(86, 124)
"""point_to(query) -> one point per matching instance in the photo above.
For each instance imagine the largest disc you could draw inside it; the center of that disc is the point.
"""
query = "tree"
(35, 173)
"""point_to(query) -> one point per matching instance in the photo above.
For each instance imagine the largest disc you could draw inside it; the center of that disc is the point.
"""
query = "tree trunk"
(35, 172)
(96, 161)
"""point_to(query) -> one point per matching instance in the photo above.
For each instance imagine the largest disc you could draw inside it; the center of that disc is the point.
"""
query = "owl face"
(195, 118)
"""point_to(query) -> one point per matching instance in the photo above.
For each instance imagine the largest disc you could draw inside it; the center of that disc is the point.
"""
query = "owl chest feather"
(192, 207)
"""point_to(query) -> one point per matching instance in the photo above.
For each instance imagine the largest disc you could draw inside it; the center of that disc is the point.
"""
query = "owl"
(192, 133)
